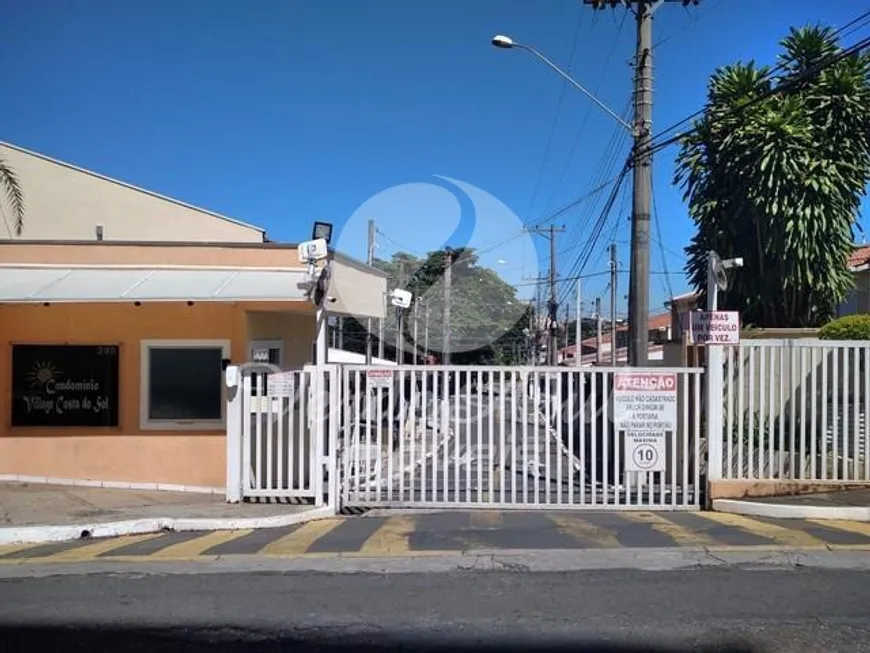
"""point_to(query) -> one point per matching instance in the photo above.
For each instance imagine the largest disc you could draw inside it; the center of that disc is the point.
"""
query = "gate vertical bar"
(714, 375)
(234, 437)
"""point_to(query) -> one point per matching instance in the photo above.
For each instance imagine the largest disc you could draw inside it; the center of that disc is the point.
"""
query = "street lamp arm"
(575, 84)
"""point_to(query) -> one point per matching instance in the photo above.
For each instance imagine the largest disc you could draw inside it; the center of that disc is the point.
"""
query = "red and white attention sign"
(645, 401)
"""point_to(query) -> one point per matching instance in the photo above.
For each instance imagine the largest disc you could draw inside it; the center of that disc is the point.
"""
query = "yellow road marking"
(299, 541)
(485, 519)
(582, 530)
(393, 538)
(197, 546)
(103, 545)
(782, 536)
(680, 534)
(9, 549)
(857, 527)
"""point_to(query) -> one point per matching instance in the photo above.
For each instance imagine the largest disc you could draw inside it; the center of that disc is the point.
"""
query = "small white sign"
(645, 452)
(713, 327)
(281, 384)
(260, 355)
(645, 401)
(379, 378)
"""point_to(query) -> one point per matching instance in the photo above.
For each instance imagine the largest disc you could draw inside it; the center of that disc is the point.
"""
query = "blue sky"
(282, 112)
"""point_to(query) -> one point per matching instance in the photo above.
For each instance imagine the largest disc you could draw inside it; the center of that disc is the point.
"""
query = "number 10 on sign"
(645, 452)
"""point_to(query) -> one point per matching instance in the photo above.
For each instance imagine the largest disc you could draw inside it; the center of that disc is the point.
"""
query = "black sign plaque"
(64, 385)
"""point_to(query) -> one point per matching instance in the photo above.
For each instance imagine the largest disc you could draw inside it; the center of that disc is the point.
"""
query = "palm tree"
(9, 184)
(775, 171)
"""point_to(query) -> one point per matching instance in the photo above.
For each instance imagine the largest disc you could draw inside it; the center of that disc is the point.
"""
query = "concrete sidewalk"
(851, 505)
(39, 513)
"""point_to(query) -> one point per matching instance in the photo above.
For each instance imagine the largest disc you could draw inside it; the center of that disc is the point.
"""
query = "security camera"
(401, 298)
(730, 263)
(331, 299)
(313, 250)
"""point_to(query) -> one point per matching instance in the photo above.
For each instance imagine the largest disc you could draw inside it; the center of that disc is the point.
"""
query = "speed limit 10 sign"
(645, 452)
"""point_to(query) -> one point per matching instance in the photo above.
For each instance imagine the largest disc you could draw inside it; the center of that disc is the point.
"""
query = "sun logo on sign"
(42, 373)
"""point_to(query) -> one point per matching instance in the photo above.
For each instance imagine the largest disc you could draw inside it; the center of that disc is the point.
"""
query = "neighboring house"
(120, 309)
(858, 300)
(660, 331)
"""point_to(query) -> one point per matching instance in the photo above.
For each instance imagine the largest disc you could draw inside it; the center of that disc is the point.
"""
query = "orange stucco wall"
(125, 453)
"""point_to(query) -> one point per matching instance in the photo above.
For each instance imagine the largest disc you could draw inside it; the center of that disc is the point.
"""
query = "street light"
(507, 43)
(502, 41)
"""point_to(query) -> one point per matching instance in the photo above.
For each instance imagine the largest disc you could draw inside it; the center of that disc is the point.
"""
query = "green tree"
(9, 184)
(774, 172)
(487, 319)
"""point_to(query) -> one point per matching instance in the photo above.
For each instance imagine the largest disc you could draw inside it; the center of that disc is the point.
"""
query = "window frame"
(148, 424)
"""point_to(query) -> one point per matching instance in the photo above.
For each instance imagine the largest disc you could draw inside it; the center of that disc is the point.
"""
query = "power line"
(555, 122)
(781, 88)
(691, 23)
(658, 227)
(583, 259)
(588, 111)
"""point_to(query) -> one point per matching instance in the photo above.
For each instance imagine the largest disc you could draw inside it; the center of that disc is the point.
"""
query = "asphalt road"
(717, 609)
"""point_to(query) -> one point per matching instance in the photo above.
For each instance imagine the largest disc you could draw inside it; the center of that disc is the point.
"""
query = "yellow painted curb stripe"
(99, 547)
(199, 545)
(585, 532)
(299, 541)
(857, 527)
(681, 535)
(782, 536)
(393, 538)
(9, 549)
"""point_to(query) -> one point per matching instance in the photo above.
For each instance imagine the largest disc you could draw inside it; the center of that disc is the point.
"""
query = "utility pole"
(416, 324)
(400, 321)
(426, 330)
(400, 345)
(598, 328)
(578, 325)
(641, 200)
(552, 304)
(638, 289)
(567, 331)
(614, 281)
(370, 260)
(448, 281)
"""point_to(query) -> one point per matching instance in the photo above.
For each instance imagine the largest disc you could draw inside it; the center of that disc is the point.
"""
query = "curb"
(791, 511)
(468, 562)
(60, 533)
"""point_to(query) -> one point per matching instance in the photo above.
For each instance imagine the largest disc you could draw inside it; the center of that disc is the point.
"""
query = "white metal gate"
(499, 437)
(280, 443)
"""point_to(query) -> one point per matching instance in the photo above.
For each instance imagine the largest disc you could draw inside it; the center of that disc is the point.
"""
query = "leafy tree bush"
(850, 327)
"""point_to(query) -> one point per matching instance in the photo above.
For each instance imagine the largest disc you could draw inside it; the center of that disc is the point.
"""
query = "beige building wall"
(63, 202)
(358, 289)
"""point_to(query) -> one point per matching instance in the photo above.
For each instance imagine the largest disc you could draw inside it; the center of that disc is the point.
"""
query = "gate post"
(715, 391)
(335, 408)
(234, 435)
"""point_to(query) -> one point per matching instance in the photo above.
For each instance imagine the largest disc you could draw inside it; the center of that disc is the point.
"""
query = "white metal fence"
(796, 410)
(504, 437)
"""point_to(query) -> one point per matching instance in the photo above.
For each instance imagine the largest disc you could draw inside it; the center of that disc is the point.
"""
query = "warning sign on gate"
(645, 409)
(379, 378)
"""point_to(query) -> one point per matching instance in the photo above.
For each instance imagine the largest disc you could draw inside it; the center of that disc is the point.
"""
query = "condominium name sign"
(645, 410)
